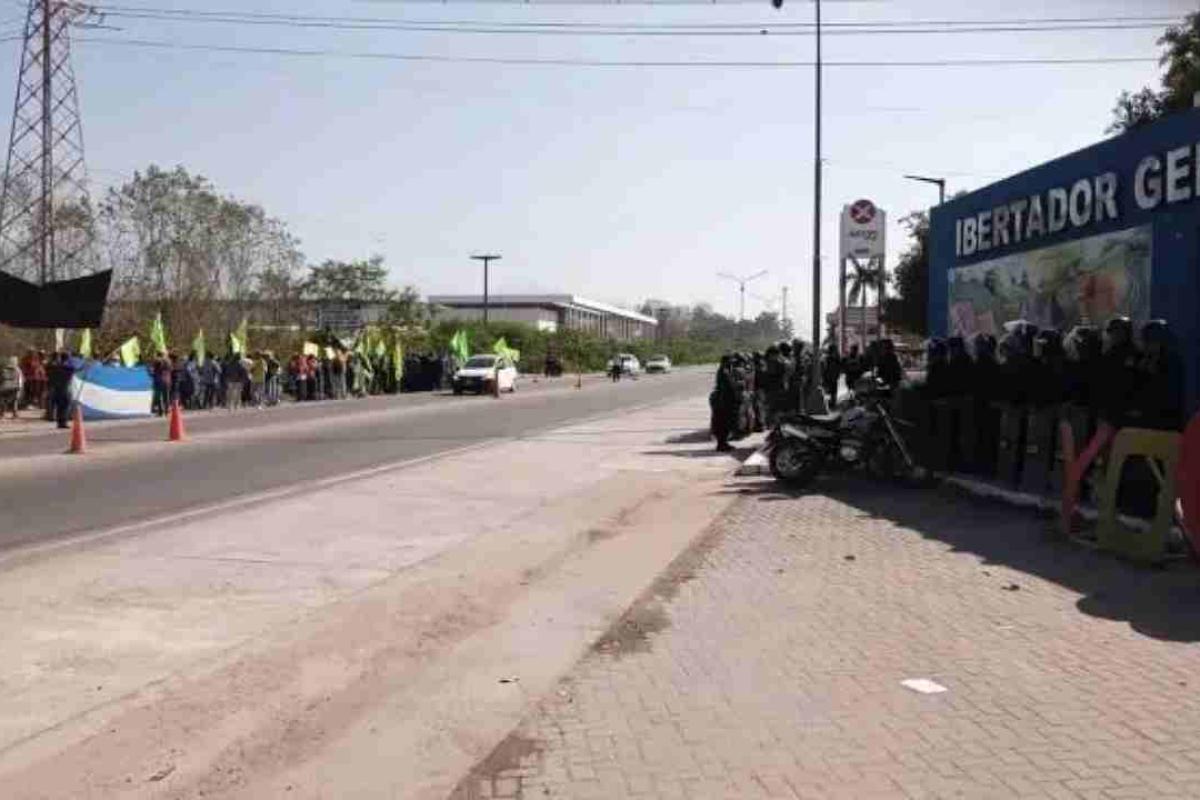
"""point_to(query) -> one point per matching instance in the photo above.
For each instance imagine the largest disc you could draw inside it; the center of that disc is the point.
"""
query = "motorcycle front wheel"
(795, 462)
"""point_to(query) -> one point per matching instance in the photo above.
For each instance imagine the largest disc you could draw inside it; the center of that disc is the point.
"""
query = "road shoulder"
(389, 632)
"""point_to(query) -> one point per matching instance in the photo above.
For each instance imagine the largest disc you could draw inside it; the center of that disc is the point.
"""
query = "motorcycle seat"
(824, 420)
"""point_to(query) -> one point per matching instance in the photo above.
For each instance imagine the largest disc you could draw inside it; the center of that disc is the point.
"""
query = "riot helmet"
(983, 345)
(1118, 333)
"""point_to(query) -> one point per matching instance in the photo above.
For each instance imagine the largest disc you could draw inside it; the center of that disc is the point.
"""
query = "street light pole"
(486, 259)
(939, 182)
(816, 297)
(815, 381)
(741, 282)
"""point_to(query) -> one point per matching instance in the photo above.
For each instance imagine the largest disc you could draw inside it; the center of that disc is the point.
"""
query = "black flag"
(77, 303)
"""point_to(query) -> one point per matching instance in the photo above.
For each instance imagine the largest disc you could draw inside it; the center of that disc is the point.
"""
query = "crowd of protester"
(39, 383)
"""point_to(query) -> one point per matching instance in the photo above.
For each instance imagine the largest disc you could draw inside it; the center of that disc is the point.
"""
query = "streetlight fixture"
(938, 182)
(486, 259)
(741, 282)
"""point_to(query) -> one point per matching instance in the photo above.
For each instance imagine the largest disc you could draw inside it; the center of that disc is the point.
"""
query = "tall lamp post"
(486, 259)
(815, 400)
(938, 182)
(741, 282)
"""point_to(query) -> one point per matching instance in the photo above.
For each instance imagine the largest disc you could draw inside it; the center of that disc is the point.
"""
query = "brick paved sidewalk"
(769, 661)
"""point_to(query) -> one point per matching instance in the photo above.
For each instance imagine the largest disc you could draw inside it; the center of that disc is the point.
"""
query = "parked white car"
(480, 371)
(629, 363)
(658, 364)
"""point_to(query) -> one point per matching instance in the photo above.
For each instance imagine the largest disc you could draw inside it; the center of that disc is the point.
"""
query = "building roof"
(553, 300)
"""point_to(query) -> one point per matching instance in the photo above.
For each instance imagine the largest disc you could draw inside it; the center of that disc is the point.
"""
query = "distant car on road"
(478, 374)
(658, 364)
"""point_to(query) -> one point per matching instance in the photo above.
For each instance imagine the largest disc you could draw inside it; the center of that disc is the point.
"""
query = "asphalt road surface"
(130, 474)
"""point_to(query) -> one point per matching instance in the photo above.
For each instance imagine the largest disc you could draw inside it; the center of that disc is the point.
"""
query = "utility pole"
(486, 259)
(783, 310)
(46, 230)
(741, 282)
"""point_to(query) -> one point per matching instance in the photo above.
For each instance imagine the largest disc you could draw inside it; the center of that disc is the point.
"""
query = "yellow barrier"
(1161, 450)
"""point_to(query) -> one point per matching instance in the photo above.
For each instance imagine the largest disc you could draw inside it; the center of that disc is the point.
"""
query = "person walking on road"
(233, 374)
(725, 402)
(831, 370)
(189, 392)
(853, 367)
(160, 377)
(11, 384)
(210, 379)
(34, 368)
(58, 377)
(258, 378)
(272, 378)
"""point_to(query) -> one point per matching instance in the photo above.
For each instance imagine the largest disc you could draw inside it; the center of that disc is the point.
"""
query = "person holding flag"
(158, 335)
(460, 348)
(237, 339)
(130, 352)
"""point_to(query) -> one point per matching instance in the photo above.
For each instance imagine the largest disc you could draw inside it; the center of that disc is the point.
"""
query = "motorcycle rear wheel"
(795, 462)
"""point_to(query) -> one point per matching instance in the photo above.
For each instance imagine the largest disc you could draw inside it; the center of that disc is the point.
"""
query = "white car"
(629, 364)
(658, 364)
(480, 371)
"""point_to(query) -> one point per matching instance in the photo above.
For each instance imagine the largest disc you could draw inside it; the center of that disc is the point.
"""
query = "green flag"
(398, 361)
(501, 348)
(460, 347)
(130, 352)
(199, 347)
(237, 339)
(85, 343)
(158, 335)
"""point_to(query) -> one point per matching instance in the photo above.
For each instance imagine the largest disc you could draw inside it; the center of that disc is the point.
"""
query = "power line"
(614, 30)
(740, 28)
(186, 12)
(584, 62)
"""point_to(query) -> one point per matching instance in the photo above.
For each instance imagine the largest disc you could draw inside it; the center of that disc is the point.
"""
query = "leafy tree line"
(1180, 81)
(206, 260)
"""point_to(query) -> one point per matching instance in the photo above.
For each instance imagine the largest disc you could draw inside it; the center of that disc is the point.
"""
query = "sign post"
(863, 240)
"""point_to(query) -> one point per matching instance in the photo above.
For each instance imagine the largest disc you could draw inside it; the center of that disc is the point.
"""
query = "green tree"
(362, 280)
(1180, 80)
(176, 245)
(909, 310)
(406, 308)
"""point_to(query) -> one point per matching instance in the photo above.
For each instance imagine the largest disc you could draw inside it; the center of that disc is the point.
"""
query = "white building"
(548, 312)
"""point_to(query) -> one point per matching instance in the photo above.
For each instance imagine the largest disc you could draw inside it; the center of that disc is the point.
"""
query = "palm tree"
(862, 278)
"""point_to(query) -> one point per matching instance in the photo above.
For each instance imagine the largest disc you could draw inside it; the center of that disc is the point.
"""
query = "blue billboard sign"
(1111, 229)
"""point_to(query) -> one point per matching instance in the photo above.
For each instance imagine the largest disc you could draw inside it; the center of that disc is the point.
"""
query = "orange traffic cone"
(176, 434)
(78, 438)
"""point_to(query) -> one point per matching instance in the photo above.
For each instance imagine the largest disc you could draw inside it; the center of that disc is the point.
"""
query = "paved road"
(130, 475)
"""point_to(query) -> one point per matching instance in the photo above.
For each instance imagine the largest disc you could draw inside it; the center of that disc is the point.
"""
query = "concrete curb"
(756, 465)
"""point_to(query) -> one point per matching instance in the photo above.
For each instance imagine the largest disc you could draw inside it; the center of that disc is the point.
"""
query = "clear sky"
(617, 183)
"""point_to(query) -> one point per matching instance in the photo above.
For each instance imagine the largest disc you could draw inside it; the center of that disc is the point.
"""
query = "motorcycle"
(865, 435)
